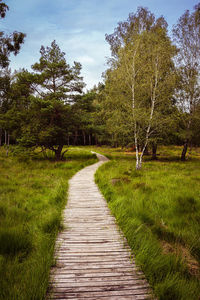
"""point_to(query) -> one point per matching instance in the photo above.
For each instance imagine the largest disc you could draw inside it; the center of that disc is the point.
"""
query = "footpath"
(93, 260)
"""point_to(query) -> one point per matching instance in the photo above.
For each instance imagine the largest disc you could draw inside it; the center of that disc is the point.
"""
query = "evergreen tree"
(55, 85)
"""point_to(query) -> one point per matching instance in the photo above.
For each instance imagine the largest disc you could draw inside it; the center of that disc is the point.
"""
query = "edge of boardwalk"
(93, 259)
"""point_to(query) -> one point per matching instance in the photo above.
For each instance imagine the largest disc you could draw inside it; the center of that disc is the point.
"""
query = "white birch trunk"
(153, 100)
(133, 77)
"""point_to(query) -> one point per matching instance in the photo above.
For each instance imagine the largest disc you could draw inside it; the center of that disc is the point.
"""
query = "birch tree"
(143, 61)
(187, 38)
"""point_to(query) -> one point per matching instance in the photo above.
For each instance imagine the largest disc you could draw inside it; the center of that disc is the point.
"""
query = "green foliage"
(8, 43)
(140, 81)
(38, 111)
(186, 35)
(56, 76)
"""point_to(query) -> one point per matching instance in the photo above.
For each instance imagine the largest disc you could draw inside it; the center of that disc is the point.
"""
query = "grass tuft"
(15, 241)
(186, 205)
(52, 223)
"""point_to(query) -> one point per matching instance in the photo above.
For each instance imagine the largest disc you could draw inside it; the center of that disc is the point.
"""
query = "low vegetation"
(158, 209)
(32, 196)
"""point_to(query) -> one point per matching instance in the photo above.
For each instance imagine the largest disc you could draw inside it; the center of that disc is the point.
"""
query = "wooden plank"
(79, 251)
(67, 277)
(59, 271)
(105, 292)
(94, 256)
(132, 297)
(97, 259)
(122, 278)
(96, 283)
(90, 266)
(123, 288)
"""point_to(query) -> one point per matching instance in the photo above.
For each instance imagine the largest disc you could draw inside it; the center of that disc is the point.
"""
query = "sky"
(79, 28)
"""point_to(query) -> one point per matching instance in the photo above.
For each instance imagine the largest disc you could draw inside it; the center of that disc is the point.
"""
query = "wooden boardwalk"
(93, 260)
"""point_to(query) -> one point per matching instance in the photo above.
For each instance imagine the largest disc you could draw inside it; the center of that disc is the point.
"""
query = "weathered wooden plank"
(73, 237)
(103, 271)
(79, 251)
(89, 248)
(100, 252)
(96, 283)
(116, 279)
(132, 297)
(79, 237)
(90, 259)
(106, 292)
(68, 277)
(90, 268)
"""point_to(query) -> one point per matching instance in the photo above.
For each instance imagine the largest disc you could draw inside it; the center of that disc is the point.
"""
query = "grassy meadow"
(158, 209)
(33, 194)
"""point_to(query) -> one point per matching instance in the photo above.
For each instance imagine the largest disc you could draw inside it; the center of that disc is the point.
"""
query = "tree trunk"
(89, 139)
(8, 144)
(138, 164)
(5, 136)
(58, 151)
(96, 141)
(146, 151)
(84, 138)
(0, 136)
(154, 151)
(183, 155)
(76, 138)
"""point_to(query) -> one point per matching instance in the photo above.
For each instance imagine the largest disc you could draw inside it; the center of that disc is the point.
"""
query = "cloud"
(78, 26)
(86, 60)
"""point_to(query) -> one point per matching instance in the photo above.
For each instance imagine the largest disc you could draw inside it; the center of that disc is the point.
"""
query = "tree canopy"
(149, 95)
(186, 34)
(142, 73)
(54, 85)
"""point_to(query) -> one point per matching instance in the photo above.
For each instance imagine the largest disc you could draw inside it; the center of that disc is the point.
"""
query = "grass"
(33, 194)
(158, 209)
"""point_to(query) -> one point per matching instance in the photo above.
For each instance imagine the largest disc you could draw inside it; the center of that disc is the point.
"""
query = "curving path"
(93, 260)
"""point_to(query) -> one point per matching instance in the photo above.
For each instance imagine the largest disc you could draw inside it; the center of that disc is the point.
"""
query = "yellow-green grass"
(164, 153)
(33, 194)
(158, 209)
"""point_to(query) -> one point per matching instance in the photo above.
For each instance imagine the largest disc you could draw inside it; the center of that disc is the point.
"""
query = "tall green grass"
(33, 194)
(158, 209)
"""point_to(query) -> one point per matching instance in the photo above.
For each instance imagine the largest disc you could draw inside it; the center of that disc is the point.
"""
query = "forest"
(144, 116)
(149, 95)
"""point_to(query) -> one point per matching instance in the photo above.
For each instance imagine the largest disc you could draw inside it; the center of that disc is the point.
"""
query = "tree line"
(150, 92)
